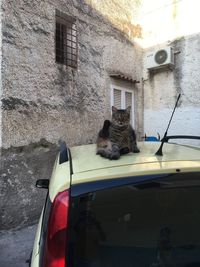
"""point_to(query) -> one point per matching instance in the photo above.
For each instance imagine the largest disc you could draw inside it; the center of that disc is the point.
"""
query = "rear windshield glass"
(152, 224)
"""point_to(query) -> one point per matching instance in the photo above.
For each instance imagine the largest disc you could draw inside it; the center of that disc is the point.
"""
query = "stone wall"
(0, 76)
(49, 97)
(46, 101)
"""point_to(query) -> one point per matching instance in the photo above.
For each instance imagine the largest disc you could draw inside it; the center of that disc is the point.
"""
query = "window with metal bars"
(66, 40)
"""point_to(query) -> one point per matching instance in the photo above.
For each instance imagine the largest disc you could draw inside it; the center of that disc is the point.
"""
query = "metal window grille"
(66, 40)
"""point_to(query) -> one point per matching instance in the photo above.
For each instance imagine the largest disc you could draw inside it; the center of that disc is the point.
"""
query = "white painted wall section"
(186, 121)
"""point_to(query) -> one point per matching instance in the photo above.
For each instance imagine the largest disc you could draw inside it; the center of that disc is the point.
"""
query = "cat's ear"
(128, 109)
(114, 109)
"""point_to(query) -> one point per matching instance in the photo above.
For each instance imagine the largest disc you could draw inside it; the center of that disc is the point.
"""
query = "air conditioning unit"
(160, 58)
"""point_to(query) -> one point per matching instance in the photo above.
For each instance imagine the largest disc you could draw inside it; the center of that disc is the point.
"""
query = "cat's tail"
(104, 147)
(104, 132)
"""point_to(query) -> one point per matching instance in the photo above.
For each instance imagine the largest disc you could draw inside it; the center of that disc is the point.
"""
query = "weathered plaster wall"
(42, 99)
(162, 88)
(174, 23)
(122, 14)
(0, 77)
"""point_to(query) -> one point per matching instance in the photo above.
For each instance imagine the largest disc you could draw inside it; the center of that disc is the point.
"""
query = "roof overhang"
(124, 77)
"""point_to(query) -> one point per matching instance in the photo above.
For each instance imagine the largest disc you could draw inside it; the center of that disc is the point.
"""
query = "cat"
(117, 136)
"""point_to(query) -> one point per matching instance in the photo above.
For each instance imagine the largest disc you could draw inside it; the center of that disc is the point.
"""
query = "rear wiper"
(148, 185)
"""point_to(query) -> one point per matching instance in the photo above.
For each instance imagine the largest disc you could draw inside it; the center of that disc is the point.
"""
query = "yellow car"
(142, 210)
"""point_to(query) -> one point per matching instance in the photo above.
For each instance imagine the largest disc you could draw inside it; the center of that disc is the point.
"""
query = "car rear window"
(153, 223)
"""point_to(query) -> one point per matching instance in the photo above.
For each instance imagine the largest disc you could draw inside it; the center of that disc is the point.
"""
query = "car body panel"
(85, 158)
(35, 261)
(136, 170)
(60, 179)
(35, 253)
(87, 167)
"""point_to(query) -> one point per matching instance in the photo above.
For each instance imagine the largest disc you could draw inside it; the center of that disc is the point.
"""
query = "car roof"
(86, 166)
(84, 158)
(86, 163)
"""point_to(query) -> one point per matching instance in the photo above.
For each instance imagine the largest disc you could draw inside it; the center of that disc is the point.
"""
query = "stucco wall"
(162, 87)
(41, 98)
(0, 76)
(175, 24)
(45, 100)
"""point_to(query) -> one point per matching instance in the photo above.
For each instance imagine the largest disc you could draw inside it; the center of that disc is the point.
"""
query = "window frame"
(94, 186)
(123, 104)
(69, 53)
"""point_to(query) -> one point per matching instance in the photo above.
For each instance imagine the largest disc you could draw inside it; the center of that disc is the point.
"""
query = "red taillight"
(56, 239)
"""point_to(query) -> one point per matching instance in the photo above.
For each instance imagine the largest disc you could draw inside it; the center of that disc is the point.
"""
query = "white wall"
(162, 87)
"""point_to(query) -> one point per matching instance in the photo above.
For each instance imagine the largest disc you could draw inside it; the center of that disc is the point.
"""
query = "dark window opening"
(66, 40)
(153, 224)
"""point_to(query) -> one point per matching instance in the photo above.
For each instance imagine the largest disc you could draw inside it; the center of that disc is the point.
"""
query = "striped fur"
(117, 137)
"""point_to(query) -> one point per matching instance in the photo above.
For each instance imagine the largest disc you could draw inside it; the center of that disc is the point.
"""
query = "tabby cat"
(117, 137)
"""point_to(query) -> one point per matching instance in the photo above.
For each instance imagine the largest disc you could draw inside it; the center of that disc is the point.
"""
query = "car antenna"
(159, 152)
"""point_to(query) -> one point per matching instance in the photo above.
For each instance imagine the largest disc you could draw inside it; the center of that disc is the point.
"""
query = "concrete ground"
(16, 246)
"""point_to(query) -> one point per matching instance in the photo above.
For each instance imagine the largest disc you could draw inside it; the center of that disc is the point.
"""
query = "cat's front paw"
(124, 150)
(115, 156)
(136, 149)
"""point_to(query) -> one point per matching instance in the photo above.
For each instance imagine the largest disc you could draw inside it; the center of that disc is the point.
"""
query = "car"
(141, 210)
